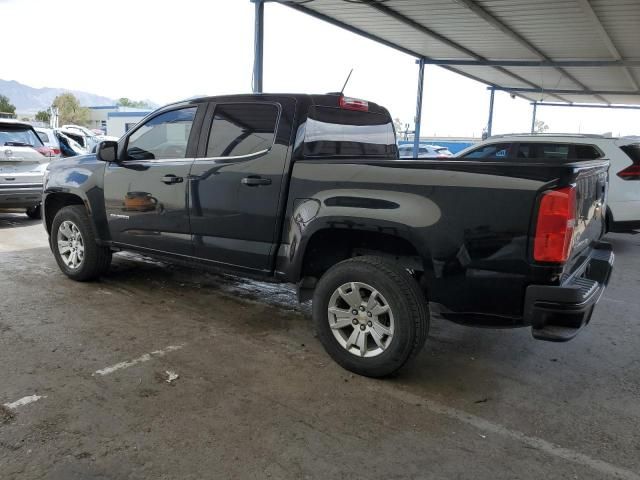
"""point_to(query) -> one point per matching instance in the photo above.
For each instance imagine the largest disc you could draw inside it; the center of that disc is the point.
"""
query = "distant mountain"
(30, 100)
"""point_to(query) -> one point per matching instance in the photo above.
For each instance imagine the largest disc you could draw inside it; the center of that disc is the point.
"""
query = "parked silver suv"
(23, 161)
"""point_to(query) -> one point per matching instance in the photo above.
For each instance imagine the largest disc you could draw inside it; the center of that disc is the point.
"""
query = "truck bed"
(470, 223)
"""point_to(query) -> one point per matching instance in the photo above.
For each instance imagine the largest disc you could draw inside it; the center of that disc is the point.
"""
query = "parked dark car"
(309, 189)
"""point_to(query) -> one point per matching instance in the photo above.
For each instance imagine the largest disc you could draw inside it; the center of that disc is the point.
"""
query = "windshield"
(18, 136)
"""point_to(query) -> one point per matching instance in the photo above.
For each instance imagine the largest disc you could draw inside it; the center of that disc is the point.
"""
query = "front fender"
(81, 177)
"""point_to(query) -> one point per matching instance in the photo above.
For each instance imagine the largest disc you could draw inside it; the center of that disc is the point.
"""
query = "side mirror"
(107, 151)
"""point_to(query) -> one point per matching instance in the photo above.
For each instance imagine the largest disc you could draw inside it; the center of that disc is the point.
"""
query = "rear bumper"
(21, 195)
(557, 313)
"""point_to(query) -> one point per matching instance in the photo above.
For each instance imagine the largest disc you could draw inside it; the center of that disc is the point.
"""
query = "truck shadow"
(15, 220)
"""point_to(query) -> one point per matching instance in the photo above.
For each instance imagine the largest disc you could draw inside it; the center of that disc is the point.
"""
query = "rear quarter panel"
(469, 222)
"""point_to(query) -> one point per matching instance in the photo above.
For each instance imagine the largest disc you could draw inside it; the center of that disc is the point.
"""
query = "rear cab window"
(16, 135)
(334, 132)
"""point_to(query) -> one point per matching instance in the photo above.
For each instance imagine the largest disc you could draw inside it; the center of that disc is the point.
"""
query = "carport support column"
(258, 52)
(416, 134)
(490, 122)
(533, 117)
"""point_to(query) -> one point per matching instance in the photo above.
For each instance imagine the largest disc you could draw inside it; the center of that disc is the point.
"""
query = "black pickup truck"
(308, 189)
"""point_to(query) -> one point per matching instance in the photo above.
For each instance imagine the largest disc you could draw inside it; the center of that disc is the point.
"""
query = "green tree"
(43, 116)
(126, 102)
(70, 110)
(6, 106)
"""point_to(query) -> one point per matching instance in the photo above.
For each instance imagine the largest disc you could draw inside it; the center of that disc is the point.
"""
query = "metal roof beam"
(536, 63)
(325, 18)
(595, 21)
(587, 105)
(564, 91)
(493, 21)
(447, 41)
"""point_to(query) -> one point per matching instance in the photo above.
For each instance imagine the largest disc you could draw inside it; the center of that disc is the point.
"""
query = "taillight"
(46, 151)
(349, 103)
(555, 224)
(632, 172)
(56, 151)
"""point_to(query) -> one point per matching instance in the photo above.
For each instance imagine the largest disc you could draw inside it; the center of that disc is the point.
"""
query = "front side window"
(491, 152)
(163, 137)
(242, 129)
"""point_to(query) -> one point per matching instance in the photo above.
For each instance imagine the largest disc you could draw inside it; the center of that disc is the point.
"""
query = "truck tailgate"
(591, 195)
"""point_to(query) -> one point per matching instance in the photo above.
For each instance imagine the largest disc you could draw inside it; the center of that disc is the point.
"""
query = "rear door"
(237, 182)
(146, 191)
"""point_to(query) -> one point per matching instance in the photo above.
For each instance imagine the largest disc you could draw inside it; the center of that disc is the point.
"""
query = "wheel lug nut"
(361, 327)
(354, 321)
(369, 324)
(369, 314)
(354, 311)
(362, 309)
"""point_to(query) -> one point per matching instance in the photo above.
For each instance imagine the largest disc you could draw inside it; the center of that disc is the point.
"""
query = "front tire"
(34, 213)
(74, 246)
(370, 315)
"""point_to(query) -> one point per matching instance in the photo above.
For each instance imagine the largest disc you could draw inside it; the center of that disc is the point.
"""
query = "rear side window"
(18, 136)
(242, 129)
(43, 136)
(587, 152)
(336, 132)
(491, 152)
(633, 152)
(557, 151)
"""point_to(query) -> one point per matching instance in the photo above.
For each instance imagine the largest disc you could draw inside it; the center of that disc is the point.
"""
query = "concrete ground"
(88, 382)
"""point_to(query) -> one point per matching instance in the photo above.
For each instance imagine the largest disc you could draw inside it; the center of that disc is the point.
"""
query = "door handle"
(171, 179)
(255, 181)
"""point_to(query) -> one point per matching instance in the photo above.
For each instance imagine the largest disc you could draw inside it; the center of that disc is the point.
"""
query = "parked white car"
(23, 161)
(623, 213)
(82, 135)
(48, 137)
(424, 151)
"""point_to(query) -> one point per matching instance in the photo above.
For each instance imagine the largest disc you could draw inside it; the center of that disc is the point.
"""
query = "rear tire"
(74, 246)
(35, 213)
(370, 315)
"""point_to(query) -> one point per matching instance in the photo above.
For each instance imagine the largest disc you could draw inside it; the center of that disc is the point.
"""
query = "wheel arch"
(328, 246)
(56, 201)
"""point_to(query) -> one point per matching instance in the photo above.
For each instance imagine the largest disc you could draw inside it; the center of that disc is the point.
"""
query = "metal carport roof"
(585, 51)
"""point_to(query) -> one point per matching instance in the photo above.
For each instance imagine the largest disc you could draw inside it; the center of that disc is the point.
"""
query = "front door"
(146, 190)
(236, 187)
